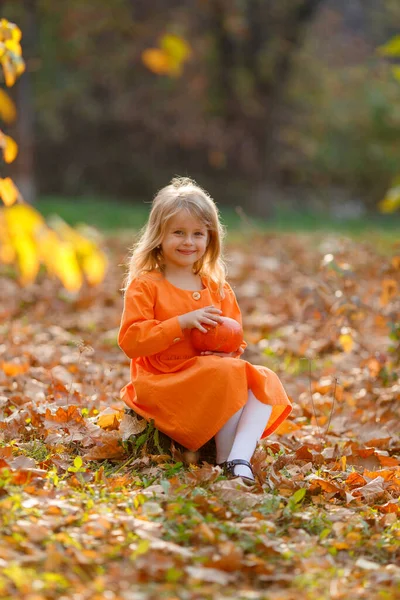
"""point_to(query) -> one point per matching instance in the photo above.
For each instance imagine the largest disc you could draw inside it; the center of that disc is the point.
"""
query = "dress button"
(177, 340)
(196, 295)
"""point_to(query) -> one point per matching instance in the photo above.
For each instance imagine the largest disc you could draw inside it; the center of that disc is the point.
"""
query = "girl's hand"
(235, 354)
(209, 315)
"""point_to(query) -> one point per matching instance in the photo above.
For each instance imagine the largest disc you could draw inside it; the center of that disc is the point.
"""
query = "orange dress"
(189, 396)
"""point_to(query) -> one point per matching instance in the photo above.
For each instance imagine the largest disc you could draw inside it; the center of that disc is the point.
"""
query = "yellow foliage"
(66, 266)
(94, 267)
(391, 201)
(8, 191)
(8, 254)
(8, 111)
(91, 260)
(391, 48)
(9, 31)
(59, 258)
(27, 257)
(10, 52)
(169, 58)
(177, 50)
(396, 72)
(9, 147)
(22, 218)
(346, 342)
(26, 239)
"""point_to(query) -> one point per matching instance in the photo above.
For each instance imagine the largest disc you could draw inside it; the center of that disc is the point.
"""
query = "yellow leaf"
(396, 72)
(14, 47)
(47, 243)
(94, 266)
(22, 218)
(27, 257)
(175, 46)
(16, 33)
(8, 111)
(7, 253)
(8, 191)
(9, 147)
(177, 50)
(346, 341)
(10, 34)
(93, 262)
(66, 266)
(156, 60)
(81, 245)
(391, 201)
(9, 70)
(108, 421)
(20, 66)
(169, 58)
(391, 48)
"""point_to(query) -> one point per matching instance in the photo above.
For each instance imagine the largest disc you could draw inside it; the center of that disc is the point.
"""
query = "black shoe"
(228, 468)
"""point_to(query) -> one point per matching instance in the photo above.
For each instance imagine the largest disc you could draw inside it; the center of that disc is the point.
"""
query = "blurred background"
(274, 106)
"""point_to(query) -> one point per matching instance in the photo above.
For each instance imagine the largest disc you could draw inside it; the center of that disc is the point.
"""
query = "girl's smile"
(185, 240)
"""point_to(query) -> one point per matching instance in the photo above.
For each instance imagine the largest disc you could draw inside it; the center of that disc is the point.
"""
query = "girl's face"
(185, 241)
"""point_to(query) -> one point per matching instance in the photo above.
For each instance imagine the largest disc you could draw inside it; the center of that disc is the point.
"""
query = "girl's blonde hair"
(181, 193)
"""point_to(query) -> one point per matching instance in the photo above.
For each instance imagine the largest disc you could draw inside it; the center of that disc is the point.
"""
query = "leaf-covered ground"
(81, 518)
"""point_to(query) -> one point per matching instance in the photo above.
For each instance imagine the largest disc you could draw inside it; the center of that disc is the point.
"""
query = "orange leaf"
(304, 453)
(355, 480)
(386, 474)
(396, 262)
(388, 461)
(389, 507)
(374, 367)
(156, 60)
(6, 452)
(379, 442)
(324, 485)
(108, 422)
(13, 369)
(287, 427)
(109, 449)
(65, 415)
(108, 419)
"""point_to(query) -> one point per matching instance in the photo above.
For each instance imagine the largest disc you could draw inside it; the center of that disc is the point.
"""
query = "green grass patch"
(110, 214)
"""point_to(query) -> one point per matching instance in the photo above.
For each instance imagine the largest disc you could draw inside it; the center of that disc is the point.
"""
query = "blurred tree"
(250, 106)
(340, 144)
(220, 118)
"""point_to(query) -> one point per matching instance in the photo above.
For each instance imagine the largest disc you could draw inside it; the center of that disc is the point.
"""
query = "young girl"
(176, 282)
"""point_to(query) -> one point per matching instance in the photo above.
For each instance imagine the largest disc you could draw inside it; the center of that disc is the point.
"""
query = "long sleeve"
(140, 333)
(230, 308)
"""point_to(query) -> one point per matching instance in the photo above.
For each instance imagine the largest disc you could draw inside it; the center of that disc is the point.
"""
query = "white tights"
(239, 436)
